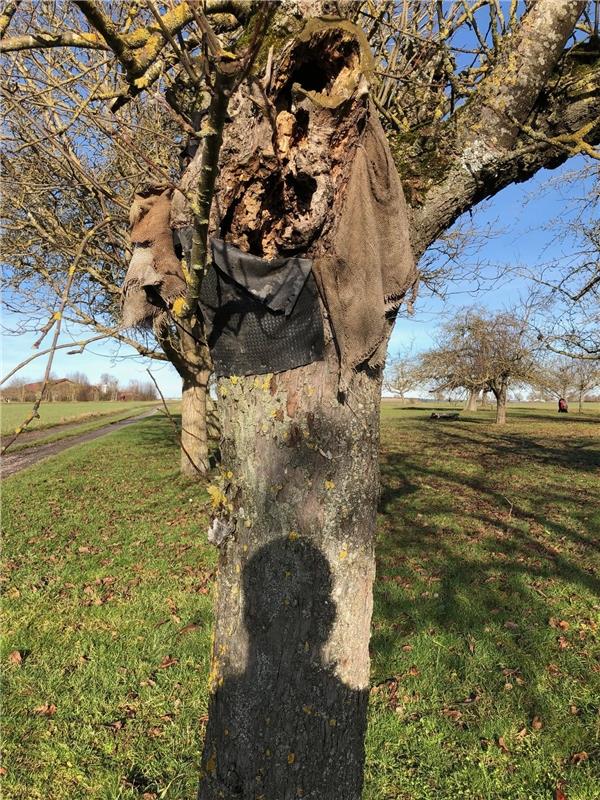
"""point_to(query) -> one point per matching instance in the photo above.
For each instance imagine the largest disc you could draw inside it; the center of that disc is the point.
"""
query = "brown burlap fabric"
(154, 277)
(368, 266)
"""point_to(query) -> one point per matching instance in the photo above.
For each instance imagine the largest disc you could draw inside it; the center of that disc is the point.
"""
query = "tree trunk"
(500, 396)
(194, 436)
(290, 669)
(471, 404)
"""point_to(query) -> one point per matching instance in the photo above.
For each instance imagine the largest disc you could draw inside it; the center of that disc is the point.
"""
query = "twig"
(58, 316)
(229, 71)
(167, 413)
(81, 345)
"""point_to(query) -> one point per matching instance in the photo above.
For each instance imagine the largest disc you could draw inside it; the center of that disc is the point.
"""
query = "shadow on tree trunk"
(287, 726)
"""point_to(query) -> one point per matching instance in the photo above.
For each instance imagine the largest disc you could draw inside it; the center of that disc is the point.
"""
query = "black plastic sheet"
(260, 316)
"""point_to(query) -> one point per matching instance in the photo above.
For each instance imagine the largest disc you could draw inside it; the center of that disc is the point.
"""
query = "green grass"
(51, 414)
(58, 433)
(486, 614)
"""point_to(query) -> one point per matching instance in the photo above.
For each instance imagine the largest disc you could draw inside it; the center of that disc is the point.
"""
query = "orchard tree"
(473, 97)
(73, 171)
(482, 352)
(563, 376)
(401, 374)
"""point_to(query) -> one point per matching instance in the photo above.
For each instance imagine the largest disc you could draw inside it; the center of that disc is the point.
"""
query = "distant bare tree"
(482, 352)
(109, 386)
(401, 374)
(563, 376)
(587, 379)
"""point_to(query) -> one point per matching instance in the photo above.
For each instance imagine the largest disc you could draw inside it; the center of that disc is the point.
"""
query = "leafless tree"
(566, 377)
(401, 374)
(73, 170)
(568, 284)
(481, 352)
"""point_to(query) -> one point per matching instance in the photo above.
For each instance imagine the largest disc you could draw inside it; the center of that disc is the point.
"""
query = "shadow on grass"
(483, 524)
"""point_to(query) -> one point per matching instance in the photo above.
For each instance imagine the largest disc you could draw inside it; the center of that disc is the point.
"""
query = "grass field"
(51, 414)
(485, 678)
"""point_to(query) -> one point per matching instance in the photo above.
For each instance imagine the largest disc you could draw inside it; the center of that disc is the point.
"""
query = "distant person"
(563, 406)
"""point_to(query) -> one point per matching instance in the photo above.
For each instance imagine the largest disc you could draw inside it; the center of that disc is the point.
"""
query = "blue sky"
(523, 214)
(519, 212)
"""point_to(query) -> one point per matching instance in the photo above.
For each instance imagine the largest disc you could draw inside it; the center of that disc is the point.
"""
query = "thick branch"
(560, 121)
(489, 123)
(137, 50)
(44, 40)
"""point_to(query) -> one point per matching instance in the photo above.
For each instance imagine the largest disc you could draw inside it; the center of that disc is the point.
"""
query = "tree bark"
(298, 487)
(472, 399)
(290, 670)
(500, 394)
(194, 434)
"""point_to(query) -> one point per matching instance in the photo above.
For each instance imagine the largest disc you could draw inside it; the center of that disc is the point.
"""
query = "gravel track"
(15, 462)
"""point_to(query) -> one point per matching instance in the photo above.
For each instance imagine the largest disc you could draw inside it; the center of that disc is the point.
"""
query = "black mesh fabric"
(245, 335)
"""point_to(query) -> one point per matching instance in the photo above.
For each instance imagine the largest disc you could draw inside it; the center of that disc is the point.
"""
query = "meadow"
(485, 677)
(52, 414)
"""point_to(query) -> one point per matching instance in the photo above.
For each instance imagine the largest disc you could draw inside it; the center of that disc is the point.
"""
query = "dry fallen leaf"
(167, 662)
(407, 648)
(512, 626)
(452, 713)
(15, 658)
(522, 733)
(579, 758)
(537, 724)
(192, 626)
(559, 793)
(562, 642)
(502, 745)
(47, 710)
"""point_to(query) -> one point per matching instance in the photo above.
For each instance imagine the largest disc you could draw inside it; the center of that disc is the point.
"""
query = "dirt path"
(15, 462)
(32, 436)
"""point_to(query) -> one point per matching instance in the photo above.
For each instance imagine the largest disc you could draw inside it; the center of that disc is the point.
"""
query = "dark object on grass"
(563, 406)
(448, 415)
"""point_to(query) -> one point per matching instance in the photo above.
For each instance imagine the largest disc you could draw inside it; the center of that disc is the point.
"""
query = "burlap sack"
(368, 267)
(154, 277)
